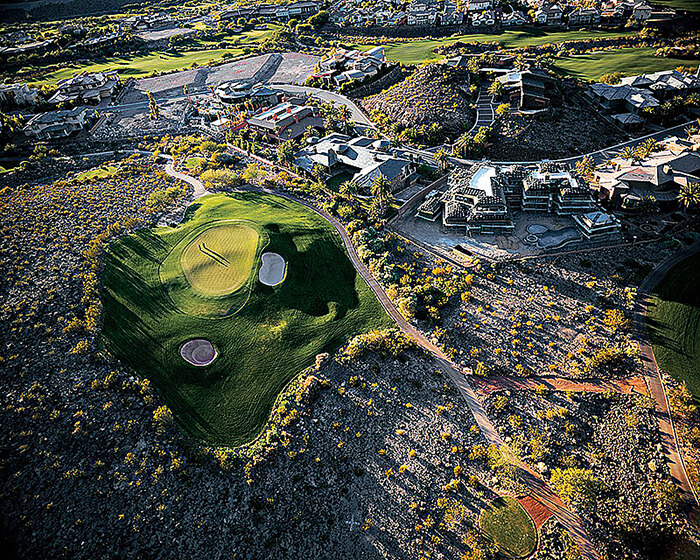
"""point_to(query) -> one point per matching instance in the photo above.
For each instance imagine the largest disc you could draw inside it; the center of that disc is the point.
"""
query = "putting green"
(263, 335)
(219, 260)
(510, 527)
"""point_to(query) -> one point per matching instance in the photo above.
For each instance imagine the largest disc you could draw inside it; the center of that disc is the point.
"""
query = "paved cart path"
(538, 487)
(653, 376)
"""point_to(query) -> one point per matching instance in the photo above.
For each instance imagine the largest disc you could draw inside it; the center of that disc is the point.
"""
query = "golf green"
(263, 335)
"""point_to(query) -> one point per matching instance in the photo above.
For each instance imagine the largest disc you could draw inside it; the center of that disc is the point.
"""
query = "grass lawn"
(97, 173)
(194, 161)
(267, 336)
(420, 50)
(630, 61)
(219, 260)
(140, 66)
(674, 321)
(507, 523)
(687, 5)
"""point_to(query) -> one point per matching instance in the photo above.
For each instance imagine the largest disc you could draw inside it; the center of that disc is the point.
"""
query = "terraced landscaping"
(264, 335)
(674, 323)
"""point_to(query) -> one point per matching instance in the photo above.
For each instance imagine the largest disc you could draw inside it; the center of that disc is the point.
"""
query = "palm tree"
(381, 190)
(628, 152)
(441, 160)
(586, 166)
(689, 195)
(348, 188)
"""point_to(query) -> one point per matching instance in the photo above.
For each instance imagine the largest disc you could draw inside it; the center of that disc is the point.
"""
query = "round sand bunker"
(198, 352)
(273, 270)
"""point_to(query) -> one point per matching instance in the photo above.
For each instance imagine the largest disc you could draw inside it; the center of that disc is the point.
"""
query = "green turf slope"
(263, 344)
(507, 523)
(673, 317)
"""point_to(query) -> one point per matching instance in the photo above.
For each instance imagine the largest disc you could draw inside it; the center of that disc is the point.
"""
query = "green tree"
(496, 89)
(381, 190)
(689, 195)
(442, 160)
(578, 487)
(586, 166)
(348, 188)
(286, 151)
(153, 109)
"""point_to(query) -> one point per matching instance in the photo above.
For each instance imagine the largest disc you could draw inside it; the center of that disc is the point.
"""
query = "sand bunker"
(273, 270)
(198, 352)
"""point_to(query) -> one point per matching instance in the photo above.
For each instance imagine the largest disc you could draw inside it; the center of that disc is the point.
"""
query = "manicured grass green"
(141, 65)
(673, 317)
(507, 523)
(630, 61)
(218, 259)
(420, 50)
(97, 173)
(272, 334)
(194, 161)
(687, 5)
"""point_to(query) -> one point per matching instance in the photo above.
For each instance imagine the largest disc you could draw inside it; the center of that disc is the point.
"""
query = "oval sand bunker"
(273, 269)
(198, 352)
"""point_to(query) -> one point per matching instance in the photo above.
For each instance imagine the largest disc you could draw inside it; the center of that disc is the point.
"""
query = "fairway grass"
(420, 50)
(629, 61)
(508, 525)
(274, 333)
(220, 259)
(673, 317)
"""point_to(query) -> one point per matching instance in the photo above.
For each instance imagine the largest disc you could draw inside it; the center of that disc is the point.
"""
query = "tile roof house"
(366, 158)
(18, 95)
(627, 182)
(285, 121)
(549, 14)
(56, 124)
(584, 16)
(473, 200)
(86, 87)
(597, 224)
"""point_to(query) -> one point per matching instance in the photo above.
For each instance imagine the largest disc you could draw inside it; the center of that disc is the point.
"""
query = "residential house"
(364, 159)
(531, 87)
(86, 87)
(641, 12)
(487, 18)
(285, 121)
(627, 182)
(513, 18)
(473, 200)
(549, 189)
(18, 95)
(56, 124)
(598, 225)
(479, 5)
(584, 16)
(550, 14)
(255, 95)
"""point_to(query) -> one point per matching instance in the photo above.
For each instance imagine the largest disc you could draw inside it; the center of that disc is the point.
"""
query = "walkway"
(197, 185)
(487, 385)
(538, 487)
(653, 375)
(485, 109)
